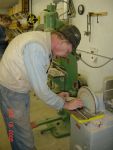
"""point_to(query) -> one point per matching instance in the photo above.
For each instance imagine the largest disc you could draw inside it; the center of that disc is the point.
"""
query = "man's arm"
(35, 62)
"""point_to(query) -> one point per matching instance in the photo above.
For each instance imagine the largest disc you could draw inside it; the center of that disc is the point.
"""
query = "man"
(24, 67)
(5, 21)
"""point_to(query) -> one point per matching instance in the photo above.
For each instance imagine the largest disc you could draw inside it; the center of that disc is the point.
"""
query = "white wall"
(101, 38)
(38, 7)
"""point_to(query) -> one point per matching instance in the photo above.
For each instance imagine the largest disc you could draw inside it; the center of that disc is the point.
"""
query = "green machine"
(51, 20)
(63, 76)
(68, 81)
(67, 78)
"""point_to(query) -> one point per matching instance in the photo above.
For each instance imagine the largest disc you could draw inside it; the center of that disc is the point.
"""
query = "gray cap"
(72, 34)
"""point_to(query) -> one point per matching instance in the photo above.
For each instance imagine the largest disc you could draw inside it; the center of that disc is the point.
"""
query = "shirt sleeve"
(35, 62)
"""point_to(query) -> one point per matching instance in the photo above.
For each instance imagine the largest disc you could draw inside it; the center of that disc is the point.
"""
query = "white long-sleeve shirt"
(36, 66)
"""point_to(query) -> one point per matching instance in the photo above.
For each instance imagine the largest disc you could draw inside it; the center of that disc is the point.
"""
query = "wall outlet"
(93, 56)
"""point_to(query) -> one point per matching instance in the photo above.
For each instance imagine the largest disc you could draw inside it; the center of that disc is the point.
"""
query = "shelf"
(98, 14)
(5, 4)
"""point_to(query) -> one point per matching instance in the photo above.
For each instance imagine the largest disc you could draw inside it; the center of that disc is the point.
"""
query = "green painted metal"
(51, 20)
(69, 82)
(60, 125)
(69, 64)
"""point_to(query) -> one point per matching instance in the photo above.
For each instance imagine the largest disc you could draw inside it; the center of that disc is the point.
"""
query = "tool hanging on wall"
(89, 16)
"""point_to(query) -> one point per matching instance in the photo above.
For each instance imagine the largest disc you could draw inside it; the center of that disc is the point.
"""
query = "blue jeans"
(15, 111)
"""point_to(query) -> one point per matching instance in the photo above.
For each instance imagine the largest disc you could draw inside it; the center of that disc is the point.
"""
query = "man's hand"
(73, 104)
(64, 95)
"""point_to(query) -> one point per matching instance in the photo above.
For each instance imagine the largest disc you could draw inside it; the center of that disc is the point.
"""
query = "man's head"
(65, 39)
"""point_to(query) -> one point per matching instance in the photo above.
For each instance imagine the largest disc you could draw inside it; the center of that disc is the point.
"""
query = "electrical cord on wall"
(66, 12)
(80, 58)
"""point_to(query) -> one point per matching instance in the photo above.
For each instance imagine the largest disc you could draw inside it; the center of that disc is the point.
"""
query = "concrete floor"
(39, 111)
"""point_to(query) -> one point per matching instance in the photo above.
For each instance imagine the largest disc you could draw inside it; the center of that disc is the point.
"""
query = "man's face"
(63, 48)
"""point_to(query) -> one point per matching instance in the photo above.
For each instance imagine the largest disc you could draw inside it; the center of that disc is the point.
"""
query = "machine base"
(95, 135)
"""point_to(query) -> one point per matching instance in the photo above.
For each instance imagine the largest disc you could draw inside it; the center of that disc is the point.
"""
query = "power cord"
(80, 58)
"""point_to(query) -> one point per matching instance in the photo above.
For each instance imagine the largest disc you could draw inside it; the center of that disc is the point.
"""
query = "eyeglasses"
(68, 45)
(66, 41)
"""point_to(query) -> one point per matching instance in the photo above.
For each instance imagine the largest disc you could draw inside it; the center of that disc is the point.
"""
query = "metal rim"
(93, 99)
